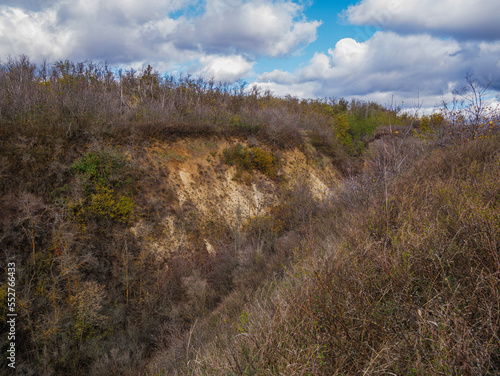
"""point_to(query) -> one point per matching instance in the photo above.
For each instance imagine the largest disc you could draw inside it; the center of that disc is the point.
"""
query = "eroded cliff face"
(200, 194)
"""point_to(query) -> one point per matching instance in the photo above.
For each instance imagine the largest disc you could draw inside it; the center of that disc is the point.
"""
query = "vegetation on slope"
(405, 283)
(73, 137)
(87, 100)
(92, 300)
(397, 274)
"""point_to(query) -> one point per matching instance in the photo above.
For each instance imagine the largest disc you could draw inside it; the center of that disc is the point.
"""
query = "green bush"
(107, 183)
(107, 204)
(107, 168)
(249, 159)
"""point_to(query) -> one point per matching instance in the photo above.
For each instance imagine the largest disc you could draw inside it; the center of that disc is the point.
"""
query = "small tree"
(474, 110)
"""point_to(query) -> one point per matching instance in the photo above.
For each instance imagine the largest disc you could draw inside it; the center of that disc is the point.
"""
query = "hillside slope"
(212, 193)
(404, 283)
(171, 225)
(120, 246)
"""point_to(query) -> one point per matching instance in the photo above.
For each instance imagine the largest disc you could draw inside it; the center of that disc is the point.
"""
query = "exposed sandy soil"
(202, 191)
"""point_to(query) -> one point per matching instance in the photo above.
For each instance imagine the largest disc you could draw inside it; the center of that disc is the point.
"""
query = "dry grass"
(408, 288)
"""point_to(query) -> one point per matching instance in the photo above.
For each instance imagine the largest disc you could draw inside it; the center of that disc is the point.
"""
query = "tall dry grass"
(406, 285)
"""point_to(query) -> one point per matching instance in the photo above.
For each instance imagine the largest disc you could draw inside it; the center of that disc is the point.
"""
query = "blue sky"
(332, 29)
(410, 50)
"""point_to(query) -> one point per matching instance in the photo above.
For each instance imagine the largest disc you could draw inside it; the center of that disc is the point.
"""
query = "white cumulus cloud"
(462, 19)
(224, 68)
(390, 64)
(223, 37)
(33, 33)
(256, 27)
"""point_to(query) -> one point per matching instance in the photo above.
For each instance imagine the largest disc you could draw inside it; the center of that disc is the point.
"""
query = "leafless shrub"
(471, 113)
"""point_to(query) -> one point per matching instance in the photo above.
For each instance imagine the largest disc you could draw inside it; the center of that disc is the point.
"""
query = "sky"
(403, 51)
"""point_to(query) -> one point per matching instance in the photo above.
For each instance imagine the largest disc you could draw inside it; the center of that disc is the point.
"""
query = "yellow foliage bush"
(107, 185)
(106, 205)
(264, 161)
(342, 129)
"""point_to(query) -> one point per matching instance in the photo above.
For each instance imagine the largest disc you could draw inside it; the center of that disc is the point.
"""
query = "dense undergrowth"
(397, 273)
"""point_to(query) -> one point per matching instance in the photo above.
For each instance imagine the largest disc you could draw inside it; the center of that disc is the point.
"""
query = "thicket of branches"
(95, 99)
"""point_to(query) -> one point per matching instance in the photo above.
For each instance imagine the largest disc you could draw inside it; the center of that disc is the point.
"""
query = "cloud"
(224, 68)
(298, 89)
(255, 27)
(461, 19)
(390, 64)
(32, 5)
(223, 35)
(33, 33)
(116, 12)
(422, 51)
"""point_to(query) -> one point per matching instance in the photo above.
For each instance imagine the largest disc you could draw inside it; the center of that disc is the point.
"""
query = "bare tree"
(474, 105)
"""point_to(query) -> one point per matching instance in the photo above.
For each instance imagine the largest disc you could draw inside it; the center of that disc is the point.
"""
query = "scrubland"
(168, 225)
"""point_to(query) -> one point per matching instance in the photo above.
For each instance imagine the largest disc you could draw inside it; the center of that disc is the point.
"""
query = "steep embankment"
(194, 180)
(121, 246)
